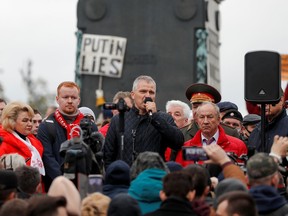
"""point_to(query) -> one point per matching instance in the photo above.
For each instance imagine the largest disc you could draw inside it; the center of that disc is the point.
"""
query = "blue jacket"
(279, 126)
(145, 189)
(268, 200)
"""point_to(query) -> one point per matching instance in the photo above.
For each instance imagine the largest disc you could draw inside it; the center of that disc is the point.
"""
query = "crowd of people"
(205, 160)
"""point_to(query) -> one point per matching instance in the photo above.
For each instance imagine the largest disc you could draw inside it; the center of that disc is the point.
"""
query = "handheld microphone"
(148, 99)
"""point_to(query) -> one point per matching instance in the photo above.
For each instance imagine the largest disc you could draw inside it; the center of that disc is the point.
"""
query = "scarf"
(36, 160)
(69, 127)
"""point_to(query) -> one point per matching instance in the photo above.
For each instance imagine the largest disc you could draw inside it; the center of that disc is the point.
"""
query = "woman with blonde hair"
(17, 137)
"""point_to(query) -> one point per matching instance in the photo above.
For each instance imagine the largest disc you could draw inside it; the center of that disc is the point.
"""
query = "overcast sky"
(43, 30)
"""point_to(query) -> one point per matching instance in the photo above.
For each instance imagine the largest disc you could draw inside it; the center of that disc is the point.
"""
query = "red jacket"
(11, 144)
(228, 143)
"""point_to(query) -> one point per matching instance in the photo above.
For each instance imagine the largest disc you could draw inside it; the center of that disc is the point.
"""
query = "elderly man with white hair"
(180, 112)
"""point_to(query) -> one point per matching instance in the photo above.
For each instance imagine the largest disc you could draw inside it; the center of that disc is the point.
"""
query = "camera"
(121, 106)
(92, 138)
(194, 153)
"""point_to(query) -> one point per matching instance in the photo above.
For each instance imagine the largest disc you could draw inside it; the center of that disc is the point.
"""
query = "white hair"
(186, 109)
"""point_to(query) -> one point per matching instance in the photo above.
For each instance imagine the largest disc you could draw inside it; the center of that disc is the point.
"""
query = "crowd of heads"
(150, 185)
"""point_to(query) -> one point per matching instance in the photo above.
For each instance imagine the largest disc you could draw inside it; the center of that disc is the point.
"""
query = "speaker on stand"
(262, 82)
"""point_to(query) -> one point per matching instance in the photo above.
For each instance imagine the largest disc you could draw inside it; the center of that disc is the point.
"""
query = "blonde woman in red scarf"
(57, 127)
(17, 137)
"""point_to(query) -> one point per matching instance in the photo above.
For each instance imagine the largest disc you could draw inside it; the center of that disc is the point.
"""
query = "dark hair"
(14, 207)
(239, 202)
(200, 177)
(28, 178)
(177, 184)
(36, 111)
(4, 194)
(45, 205)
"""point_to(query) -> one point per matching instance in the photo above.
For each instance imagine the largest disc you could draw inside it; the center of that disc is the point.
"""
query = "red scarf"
(59, 118)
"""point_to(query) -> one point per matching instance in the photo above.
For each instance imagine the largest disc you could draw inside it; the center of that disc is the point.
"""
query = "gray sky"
(43, 30)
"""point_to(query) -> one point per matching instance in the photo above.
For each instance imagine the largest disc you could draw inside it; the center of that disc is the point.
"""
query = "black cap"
(235, 114)
(200, 92)
(227, 105)
(251, 119)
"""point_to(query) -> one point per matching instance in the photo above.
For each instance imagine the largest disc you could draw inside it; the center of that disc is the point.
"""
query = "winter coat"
(174, 206)
(268, 201)
(145, 189)
(143, 132)
(228, 143)
(277, 126)
(11, 144)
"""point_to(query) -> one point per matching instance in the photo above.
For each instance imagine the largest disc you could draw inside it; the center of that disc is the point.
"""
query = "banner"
(284, 67)
(102, 55)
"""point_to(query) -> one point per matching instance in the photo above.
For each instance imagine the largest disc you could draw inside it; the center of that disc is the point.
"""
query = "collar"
(216, 136)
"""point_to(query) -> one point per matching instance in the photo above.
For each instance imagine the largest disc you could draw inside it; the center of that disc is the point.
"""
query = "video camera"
(93, 139)
(121, 106)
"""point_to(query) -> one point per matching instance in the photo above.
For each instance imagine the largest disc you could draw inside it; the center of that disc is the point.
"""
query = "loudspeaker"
(262, 77)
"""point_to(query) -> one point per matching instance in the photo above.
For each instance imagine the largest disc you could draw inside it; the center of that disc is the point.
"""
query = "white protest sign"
(102, 55)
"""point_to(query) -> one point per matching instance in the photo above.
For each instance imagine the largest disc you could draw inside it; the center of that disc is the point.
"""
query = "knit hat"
(118, 173)
(8, 180)
(261, 165)
(122, 205)
(87, 111)
(228, 185)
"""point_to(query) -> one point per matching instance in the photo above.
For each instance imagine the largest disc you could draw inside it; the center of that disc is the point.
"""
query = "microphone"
(148, 99)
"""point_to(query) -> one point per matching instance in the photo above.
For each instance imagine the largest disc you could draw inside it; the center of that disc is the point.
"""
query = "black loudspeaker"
(262, 77)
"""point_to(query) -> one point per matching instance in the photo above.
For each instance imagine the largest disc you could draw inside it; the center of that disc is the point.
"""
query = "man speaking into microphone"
(145, 128)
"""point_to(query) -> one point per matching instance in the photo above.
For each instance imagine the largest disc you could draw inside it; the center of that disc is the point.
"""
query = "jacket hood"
(267, 198)
(146, 187)
(117, 173)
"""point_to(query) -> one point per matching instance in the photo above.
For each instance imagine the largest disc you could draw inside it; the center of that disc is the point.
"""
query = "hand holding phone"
(194, 153)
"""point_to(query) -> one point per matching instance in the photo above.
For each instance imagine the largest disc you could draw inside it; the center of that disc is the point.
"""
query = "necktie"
(209, 141)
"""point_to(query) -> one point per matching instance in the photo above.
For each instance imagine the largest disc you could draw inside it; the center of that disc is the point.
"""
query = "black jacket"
(142, 133)
(173, 206)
